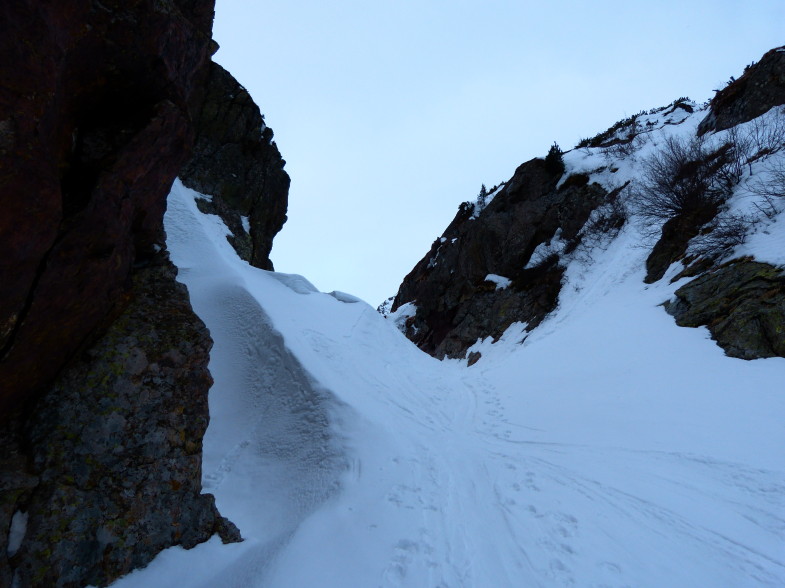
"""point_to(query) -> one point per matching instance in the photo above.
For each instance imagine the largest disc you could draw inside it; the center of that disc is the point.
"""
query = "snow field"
(608, 447)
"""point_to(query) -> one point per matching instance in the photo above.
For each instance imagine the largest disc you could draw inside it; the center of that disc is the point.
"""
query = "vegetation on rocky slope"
(679, 194)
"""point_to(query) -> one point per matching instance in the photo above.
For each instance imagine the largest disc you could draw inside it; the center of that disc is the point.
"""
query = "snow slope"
(611, 448)
(608, 447)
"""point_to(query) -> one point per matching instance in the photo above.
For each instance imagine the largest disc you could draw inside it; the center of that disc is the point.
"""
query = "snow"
(607, 447)
(766, 244)
(344, 297)
(402, 314)
(16, 532)
(544, 250)
(500, 281)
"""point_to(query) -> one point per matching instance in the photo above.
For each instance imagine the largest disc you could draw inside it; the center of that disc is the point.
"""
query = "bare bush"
(767, 134)
(684, 177)
(771, 189)
(758, 139)
(631, 140)
(604, 223)
(743, 148)
(608, 218)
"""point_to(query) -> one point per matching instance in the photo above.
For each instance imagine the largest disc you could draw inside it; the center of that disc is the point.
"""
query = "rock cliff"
(760, 87)
(95, 126)
(456, 300)
(237, 163)
(503, 262)
(103, 362)
(115, 447)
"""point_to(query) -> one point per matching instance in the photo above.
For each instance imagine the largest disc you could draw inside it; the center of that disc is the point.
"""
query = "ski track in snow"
(349, 458)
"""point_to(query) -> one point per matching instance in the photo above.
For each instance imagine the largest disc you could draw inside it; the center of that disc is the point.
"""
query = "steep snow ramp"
(609, 448)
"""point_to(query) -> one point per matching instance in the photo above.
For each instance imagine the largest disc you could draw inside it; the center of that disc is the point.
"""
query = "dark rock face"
(455, 303)
(109, 487)
(103, 363)
(761, 87)
(17, 480)
(743, 305)
(236, 161)
(94, 127)
(674, 240)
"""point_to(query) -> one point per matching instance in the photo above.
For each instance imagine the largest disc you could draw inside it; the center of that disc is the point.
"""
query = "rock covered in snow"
(500, 281)
(542, 220)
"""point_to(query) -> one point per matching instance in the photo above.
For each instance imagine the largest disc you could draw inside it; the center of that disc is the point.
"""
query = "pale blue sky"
(390, 114)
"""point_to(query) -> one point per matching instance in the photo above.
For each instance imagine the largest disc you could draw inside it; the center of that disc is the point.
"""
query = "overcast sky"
(391, 113)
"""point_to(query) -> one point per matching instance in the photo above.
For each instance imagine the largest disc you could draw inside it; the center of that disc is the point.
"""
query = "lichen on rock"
(116, 446)
(743, 305)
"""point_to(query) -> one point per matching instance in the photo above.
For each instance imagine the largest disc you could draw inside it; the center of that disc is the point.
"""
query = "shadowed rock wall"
(94, 127)
(114, 468)
(104, 398)
(237, 163)
(455, 304)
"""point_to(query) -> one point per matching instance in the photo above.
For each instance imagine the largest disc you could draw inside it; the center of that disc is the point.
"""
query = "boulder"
(674, 240)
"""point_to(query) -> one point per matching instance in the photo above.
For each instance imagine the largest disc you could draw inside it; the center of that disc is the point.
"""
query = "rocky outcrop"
(455, 302)
(95, 126)
(237, 163)
(103, 362)
(761, 87)
(743, 305)
(741, 302)
(502, 263)
(674, 240)
(114, 471)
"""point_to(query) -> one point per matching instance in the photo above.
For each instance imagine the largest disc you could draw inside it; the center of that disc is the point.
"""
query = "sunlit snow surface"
(610, 448)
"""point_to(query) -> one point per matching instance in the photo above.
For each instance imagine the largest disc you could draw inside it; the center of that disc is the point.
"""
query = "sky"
(390, 114)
